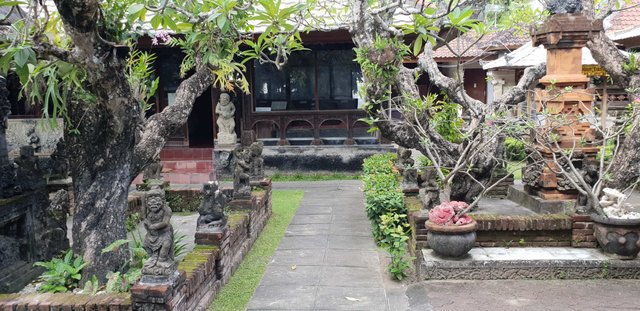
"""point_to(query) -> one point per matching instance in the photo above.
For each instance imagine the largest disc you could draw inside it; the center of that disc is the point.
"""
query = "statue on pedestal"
(242, 173)
(226, 120)
(159, 239)
(212, 208)
(257, 162)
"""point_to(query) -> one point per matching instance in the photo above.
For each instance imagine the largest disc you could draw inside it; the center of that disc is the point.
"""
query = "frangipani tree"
(66, 53)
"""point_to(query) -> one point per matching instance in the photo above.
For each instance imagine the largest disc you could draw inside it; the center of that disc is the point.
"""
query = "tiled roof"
(496, 41)
(625, 19)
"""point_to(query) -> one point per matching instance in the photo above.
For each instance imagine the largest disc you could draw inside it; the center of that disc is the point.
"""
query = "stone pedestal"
(566, 99)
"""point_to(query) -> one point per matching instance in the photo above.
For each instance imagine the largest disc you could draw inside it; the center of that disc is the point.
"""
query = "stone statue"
(257, 163)
(409, 180)
(404, 158)
(212, 208)
(429, 191)
(159, 239)
(563, 6)
(153, 171)
(242, 173)
(226, 120)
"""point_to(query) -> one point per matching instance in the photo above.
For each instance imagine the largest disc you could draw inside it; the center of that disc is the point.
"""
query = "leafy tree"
(67, 57)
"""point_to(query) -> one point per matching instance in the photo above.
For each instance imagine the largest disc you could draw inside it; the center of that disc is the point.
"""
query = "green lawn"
(236, 294)
(299, 176)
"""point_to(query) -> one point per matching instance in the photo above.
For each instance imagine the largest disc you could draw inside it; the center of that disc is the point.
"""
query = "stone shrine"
(566, 98)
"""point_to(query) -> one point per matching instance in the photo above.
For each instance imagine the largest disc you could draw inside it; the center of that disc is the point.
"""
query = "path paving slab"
(327, 259)
(497, 263)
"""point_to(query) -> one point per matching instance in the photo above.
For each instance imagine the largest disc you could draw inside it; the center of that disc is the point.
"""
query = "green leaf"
(135, 8)
(21, 57)
(156, 20)
(417, 46)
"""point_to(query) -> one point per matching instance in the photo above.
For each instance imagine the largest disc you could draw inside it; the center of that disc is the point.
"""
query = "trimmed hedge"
(384, 203)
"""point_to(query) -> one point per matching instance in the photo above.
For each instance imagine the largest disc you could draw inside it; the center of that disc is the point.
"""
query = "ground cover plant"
(236, 294)
(384, 203)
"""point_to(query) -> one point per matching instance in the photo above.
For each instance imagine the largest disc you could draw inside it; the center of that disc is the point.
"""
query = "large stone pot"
(451, 241)
(620, 237)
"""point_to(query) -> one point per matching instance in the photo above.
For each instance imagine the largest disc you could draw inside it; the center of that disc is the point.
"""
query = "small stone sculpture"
(257, 163)
(242, 174)
(226, 120)
(159, 239)
(564, 6)
(153, 171)
(404, 159)
(212, 208)
(429, 193)
(409, 180)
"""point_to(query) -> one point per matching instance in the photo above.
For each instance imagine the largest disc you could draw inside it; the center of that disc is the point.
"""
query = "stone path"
(327, 259)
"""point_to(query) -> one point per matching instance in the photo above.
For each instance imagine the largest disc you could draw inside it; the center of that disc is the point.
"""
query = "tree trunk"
(100, 220)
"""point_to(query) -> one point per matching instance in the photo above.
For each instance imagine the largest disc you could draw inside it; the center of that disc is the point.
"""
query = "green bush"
(384, 203)
(516, 149)
(62, 275)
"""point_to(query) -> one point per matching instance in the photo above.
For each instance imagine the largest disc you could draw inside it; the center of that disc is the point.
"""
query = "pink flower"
(441, 215)
(458, 206)
(462, 220)
(162, 36)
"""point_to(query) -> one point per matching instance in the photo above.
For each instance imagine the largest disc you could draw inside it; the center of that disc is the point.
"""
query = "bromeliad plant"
(453, 213)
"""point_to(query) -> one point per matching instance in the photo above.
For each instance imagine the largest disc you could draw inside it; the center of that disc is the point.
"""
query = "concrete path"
(327, 259)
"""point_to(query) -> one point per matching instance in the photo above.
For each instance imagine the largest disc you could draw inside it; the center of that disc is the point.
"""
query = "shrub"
(62, 275)
(384, 203)
(516, 149)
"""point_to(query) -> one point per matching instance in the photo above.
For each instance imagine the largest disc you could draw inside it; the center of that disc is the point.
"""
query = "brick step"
(187, 165)
(175, 154)
(498, 263)
(185, 178)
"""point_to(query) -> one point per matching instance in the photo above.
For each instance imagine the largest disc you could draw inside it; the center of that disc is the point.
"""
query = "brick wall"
(507, 231)
(214, 260)
(582, 234)
(202, 273)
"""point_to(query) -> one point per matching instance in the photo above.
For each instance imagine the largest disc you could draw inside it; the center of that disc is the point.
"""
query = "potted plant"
(452, 233)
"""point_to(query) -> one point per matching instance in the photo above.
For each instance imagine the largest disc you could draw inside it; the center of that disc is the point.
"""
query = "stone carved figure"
(409, 180)
(429, 191)
(242, 173)
(404, 158)
(257, 162)
(153, 171)
(226, 120)
(212, 208)
(159, 239)
(563, 6)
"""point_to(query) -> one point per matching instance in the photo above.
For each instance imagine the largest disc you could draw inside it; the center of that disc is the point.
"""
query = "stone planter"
(620, 237)
(451, 241)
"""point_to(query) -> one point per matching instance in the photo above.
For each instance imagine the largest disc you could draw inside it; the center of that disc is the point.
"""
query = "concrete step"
(168, 166)
(541, 263)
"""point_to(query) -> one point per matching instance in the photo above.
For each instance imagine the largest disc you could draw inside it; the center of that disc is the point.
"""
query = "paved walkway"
(327, 259)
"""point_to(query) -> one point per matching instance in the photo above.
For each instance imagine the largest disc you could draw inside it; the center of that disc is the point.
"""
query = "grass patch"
(236, 294)
(298, 176)
(516, 168)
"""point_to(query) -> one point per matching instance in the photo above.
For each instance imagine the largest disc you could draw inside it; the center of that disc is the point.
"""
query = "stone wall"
(22, 132)
(320, 158)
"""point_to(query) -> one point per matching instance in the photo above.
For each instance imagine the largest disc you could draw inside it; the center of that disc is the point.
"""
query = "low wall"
(213, 261)
(202, 272)
(550, 230)
(320, 158)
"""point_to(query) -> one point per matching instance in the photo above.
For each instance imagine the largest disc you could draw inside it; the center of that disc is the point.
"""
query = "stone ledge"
(528, 263)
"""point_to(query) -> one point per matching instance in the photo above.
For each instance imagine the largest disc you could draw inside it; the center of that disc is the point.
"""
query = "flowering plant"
(451, 213)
